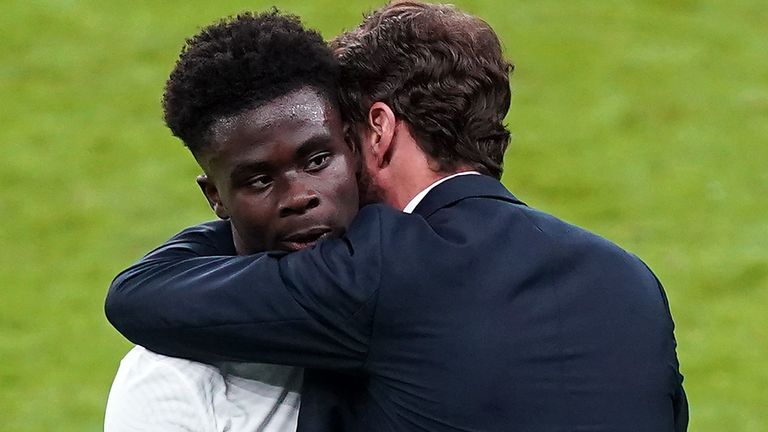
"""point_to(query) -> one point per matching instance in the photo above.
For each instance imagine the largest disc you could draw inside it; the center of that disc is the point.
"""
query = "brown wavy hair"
(439, 69)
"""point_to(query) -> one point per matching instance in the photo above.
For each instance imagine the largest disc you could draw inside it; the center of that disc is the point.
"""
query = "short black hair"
(241, 63)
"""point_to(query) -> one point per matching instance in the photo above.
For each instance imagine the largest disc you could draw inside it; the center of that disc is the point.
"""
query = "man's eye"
(260, 182)
(318, 161)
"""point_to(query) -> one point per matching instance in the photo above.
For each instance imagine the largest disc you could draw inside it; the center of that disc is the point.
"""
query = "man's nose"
(298, 199)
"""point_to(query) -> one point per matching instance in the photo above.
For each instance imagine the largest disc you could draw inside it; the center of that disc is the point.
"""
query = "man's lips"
(305, 238)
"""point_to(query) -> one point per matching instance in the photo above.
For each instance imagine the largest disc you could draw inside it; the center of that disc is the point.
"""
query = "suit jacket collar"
(458, 188)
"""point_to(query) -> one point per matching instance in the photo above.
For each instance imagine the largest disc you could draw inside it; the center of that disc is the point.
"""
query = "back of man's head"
(439, 69)
(241, 63)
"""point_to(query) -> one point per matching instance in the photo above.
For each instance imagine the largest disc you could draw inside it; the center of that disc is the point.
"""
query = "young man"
(475, 312)
(254, 99)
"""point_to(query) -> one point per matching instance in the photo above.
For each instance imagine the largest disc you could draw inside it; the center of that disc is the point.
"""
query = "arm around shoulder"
(309, 308)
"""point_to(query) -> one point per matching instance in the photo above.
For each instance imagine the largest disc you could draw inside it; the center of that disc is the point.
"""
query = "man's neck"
(410, 186)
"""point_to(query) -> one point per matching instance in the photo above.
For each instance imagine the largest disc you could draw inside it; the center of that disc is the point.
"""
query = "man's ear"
(381, 127)
(212, 196)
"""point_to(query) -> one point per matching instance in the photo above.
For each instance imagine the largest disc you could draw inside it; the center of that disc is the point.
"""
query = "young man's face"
(282, 173)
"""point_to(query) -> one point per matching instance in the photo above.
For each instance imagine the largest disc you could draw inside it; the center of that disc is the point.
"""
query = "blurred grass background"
(645, 121)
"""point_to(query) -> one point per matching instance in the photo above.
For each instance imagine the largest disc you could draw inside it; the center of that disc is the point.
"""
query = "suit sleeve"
(311, 308)
(680, 404)
(679, 398)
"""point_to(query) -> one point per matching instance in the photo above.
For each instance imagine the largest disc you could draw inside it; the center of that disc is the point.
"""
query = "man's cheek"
(346, 189)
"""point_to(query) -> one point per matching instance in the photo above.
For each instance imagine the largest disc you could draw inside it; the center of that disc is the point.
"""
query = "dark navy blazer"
(476, 313)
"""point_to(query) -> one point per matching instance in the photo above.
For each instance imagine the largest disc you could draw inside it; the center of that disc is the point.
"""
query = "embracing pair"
(365, 237)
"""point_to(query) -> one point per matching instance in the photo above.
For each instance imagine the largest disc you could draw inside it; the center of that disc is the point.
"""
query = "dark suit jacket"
(476, 313)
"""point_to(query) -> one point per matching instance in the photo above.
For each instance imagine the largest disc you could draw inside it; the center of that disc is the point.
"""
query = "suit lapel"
(458, 188)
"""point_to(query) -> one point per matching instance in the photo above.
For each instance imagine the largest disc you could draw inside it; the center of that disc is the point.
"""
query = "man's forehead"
(300, 106)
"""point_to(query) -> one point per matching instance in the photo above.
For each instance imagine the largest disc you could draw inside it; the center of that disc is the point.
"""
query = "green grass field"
(645, 121)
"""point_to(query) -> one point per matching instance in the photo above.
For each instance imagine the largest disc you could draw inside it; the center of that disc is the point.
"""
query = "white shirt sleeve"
(152, 392)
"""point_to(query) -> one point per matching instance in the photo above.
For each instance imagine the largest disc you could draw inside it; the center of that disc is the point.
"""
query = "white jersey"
(153, 392)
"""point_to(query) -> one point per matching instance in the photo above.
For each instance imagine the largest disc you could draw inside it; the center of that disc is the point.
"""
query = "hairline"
(326, 94)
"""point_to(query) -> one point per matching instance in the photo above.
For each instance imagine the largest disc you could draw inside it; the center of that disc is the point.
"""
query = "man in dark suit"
(475, 312)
